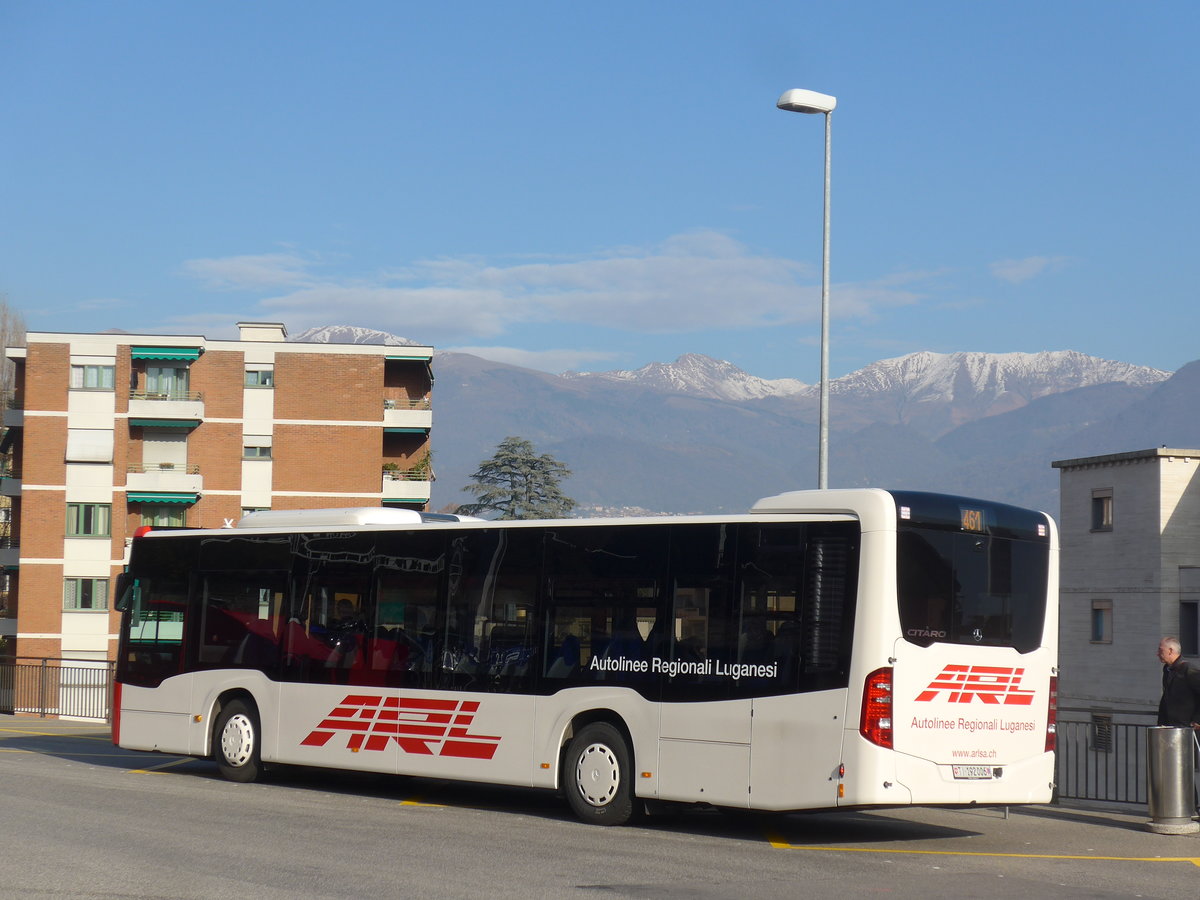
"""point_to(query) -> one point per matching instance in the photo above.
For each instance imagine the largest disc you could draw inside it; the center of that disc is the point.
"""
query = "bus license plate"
(972, 771)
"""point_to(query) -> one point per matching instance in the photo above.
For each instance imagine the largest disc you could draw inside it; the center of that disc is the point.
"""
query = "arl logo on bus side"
(420, 726)
(989, 684)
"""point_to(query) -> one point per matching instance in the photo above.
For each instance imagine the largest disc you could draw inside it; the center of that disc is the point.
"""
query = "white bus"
(830, 648)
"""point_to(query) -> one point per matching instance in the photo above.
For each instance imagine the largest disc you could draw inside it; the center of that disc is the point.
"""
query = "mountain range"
(700, 435)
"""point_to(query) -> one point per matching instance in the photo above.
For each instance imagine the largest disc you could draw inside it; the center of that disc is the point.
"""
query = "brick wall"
(45, 442)
(335, 458)
(216, 447)
(41, 602)
(47, 376)
(219, 375)
(330, 387)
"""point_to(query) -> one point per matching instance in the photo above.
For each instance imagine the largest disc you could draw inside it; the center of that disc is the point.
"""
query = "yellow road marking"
(780, 844)
(417, 802)
(154, 770)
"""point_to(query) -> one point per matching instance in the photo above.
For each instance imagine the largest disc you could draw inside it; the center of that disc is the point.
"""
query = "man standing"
(1180, 703)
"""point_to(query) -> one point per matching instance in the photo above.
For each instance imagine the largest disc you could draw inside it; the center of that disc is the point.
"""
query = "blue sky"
(599, 186)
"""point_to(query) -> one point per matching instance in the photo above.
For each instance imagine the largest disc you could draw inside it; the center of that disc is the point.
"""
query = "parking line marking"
(418, 802)
(780, 844)
(154, 770)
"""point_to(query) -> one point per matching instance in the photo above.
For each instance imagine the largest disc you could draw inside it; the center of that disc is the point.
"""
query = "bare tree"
(12, 334)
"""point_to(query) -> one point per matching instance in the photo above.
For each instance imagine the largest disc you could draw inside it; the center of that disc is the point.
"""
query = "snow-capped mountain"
(352, 334)
(951, 376)
(699, 376)
(701, 435)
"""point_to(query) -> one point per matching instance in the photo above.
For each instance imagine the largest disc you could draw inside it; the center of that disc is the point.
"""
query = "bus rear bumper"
(979, 782)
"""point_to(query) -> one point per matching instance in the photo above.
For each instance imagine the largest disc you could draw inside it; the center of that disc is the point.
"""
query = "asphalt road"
(80, 818)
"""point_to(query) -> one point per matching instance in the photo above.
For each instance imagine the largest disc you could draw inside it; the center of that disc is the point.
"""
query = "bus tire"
(599, 775)
(237, 742)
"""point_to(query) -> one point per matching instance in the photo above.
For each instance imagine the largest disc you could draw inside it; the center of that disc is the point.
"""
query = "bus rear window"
(974, 589)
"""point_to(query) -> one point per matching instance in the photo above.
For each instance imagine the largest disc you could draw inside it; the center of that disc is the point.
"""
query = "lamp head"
(797, 100)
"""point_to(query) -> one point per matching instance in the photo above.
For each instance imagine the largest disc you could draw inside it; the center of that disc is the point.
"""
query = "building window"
(92, 378)
(85, 593)
(1189, 610)
(1102, 732)
(89, 520)
(164, 515)
(246, 510)
(1101, 621)
(1102, 510)
(256, 453)
(171, 381)
(260, 378)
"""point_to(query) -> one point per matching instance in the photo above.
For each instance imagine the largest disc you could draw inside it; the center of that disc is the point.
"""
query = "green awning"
(406, 431)
(160, 497)
(165, 423)
(185, 353)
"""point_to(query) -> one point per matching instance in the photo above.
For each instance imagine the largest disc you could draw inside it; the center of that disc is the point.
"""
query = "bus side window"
(327, 636)
(490, 641)
(241, 620)
(605, 586)
(702, 624)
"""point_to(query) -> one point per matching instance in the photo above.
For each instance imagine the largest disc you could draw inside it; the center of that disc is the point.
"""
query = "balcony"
(14, 415)
(10, 483)
(10, 553)
(169, 408)
(407, 485)
(163, 478)
(408, 415)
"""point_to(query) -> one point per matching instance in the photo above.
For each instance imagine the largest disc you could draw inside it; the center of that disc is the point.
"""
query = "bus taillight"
(876, 722)
(1052, 716)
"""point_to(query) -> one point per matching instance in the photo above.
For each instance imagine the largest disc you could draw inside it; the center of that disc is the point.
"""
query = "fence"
(1100, 759)
(78, 689)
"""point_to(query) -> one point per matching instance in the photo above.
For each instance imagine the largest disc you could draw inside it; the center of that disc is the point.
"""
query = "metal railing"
(406, 403)
(180, 468)
(1100, 759)
(80, 689)
(425, 474)
(166, 395)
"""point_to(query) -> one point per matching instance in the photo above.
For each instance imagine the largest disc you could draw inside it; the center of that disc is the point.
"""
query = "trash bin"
(1170, 780)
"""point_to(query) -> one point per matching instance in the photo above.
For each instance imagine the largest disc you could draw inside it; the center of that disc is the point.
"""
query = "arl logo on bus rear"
(420, 726)
(999, 685)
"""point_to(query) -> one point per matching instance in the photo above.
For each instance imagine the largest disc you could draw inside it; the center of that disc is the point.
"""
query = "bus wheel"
(238, 742)
(599, 778)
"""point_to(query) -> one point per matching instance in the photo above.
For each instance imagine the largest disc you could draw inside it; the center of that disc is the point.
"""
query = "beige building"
(1130, 573)
(108, 432)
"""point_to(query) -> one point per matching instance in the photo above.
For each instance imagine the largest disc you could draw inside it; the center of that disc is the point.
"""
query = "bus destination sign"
(972, 519)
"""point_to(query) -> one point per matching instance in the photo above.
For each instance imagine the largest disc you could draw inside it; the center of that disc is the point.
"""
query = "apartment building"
(1130, 573)
(108, 432)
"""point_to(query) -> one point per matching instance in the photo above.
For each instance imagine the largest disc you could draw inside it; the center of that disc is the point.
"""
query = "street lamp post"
(811, 102)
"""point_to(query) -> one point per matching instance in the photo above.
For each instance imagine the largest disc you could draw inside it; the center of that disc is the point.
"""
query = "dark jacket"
(1180, 703)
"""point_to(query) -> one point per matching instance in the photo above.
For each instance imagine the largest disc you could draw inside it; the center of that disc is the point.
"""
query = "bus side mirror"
(129, 598)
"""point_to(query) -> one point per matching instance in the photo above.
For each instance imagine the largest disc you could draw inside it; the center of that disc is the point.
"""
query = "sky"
(589, 187)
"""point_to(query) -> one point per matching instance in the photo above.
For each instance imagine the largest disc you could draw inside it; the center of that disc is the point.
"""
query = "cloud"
(699, 281)
(544, 360)
(1016, 271)
(267, 270)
